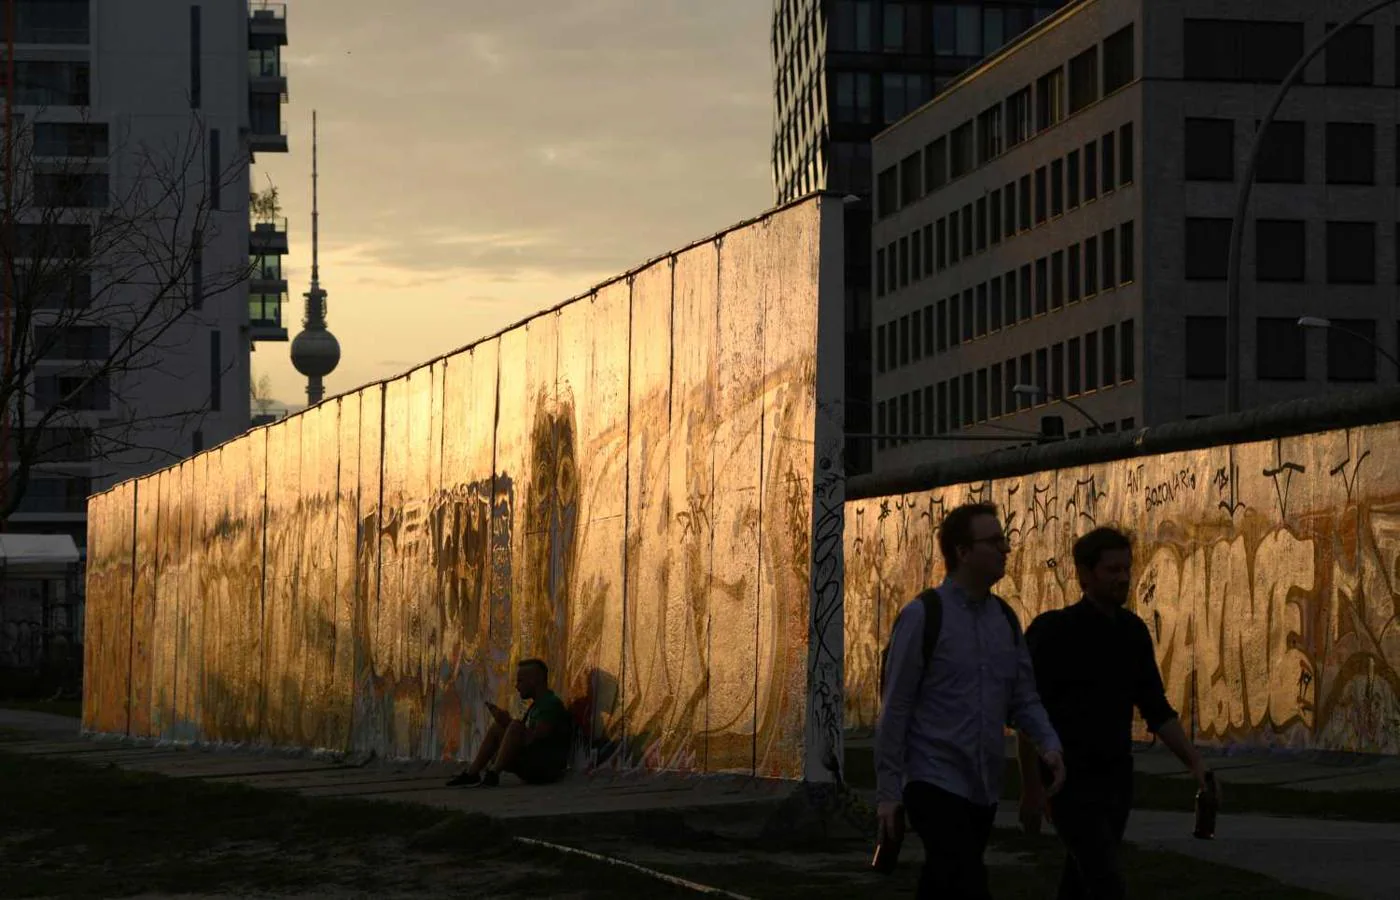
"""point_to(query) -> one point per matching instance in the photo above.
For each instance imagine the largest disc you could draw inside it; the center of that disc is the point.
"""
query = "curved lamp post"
(1319, 322)
(1035, 390)
(1232, 284)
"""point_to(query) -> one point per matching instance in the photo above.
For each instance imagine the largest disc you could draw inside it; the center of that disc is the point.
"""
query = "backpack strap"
(933, 621)
(1012, 620)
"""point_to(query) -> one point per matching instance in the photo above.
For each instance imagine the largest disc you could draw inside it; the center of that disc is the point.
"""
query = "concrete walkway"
(1347, 859)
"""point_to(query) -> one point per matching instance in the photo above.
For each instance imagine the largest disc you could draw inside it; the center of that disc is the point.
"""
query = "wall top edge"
(1310, 415)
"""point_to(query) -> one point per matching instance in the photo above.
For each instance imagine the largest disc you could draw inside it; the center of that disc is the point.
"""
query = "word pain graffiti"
(1268, 580)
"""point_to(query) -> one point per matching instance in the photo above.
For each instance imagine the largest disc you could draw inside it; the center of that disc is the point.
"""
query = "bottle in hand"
(886, 857)
(1207, 805)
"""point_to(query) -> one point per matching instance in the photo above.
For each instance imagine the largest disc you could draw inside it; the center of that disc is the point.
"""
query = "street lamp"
(1232, 273)
(1319, 322)
(1033, 390)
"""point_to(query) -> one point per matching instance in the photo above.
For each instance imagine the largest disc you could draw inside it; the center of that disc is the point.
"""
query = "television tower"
(315, 352)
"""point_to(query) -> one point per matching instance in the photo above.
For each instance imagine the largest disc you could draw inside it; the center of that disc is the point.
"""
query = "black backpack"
(933, 625)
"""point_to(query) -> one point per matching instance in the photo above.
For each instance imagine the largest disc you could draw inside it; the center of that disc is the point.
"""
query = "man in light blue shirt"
(940, 743)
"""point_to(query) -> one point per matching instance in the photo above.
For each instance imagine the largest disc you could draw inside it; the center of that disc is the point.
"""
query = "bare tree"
(103, 277)
(260, 393)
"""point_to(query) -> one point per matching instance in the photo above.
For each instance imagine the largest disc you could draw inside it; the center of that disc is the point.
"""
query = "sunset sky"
(483, 159)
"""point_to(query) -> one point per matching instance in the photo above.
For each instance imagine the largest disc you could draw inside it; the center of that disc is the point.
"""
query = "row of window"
(1281, 349)
(947, 29)
(1097, 361)
(1099, 263)
(1019, 207)
(1350, 149)
(1265, 52)
(1005, 125)
(1281, 250)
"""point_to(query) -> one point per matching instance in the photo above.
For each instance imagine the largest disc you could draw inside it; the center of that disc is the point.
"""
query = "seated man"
(536, 748)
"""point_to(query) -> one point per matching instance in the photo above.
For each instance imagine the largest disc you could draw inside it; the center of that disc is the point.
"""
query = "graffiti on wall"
(627, 487)
(1268, 574)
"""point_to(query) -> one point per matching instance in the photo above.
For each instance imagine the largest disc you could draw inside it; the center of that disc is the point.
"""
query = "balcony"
(267, 24)
(266, 276)
(266, 73)
(265, 317)
(266, 238)
(265, 124)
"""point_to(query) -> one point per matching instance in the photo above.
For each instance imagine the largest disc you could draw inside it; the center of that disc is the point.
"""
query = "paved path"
(1348, 859)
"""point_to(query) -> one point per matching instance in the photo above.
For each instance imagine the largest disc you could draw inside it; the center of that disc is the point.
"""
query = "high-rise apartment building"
(131, 129)
(1059, 220)
(843, 71)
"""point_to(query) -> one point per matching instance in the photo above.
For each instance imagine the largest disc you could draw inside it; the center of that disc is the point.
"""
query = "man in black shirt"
(1093, 663)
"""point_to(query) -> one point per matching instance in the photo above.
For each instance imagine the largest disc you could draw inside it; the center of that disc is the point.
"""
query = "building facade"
(843, 71)
(1058, 220)
(157, 114)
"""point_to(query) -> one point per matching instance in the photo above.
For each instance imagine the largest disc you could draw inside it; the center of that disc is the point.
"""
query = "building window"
(51, 22)
(1110, 259)
(881, 424)
(928, 329)
(936, 164)
(916, 408)
(942, 342)
(1057, 280)
(916, 332)
(1083, 79)
(195, 57)
(1207, 249)
(1091, 171)
(51, 83)
(1050, 99)
(1027, 298)
(967, 223)
(1351, 56)
(1042, 372)
(960, 151)
(969, 399)
(887, 192)
(73, 342)
(1280, 250)
(1057, 371)
(928, 250)
(1074, 380)
(1110, 180)
(989, 134)
(1351, 253)
(1240, 50)
(916, 263)
(892, 337)
(1210, 149)
(1012, 399)
(995, 304)
(969, 317)
(982, 395)
(940, 243)
(1127, 253)
(880, 288)
(1091, 266)
(911, 182)
(1110, 361)
(1127, 353)
(1072, 173)
(73, 392)
(981, 224)
(70, 190)
(1205, 347)
(1351, 153)
(1281, 350)
(904, 262)
(216, 171)
(70, 139)
(1042, 199)
(994, 390)
(1025, 203)
(1008, 196)
(1119, 68)
(954, 321)
(983, 317)
(881, 363)
(1127, 155)
(1027, 377)
(1282, 154)
(954, 238)
(942, 394)
(1057, 187)
(1042, 286)
(1074, 275)
(1018, 117)
(994, 212)
(1351, 354)
(904, 340)
(1091, 361)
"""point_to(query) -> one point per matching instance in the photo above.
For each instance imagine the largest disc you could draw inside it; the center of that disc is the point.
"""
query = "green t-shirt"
(549, 709)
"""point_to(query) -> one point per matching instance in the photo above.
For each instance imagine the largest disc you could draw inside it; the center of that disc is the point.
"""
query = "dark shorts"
(538, 765)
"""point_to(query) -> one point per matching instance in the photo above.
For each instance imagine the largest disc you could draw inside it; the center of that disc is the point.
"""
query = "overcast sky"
(482, 159)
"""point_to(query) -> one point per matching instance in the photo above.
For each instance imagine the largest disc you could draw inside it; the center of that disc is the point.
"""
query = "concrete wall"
(1268, 573)
(641, 486)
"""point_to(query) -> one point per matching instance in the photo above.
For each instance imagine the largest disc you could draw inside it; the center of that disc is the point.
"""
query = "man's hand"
(890, 816)
(1056, 762)
(501, 716)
